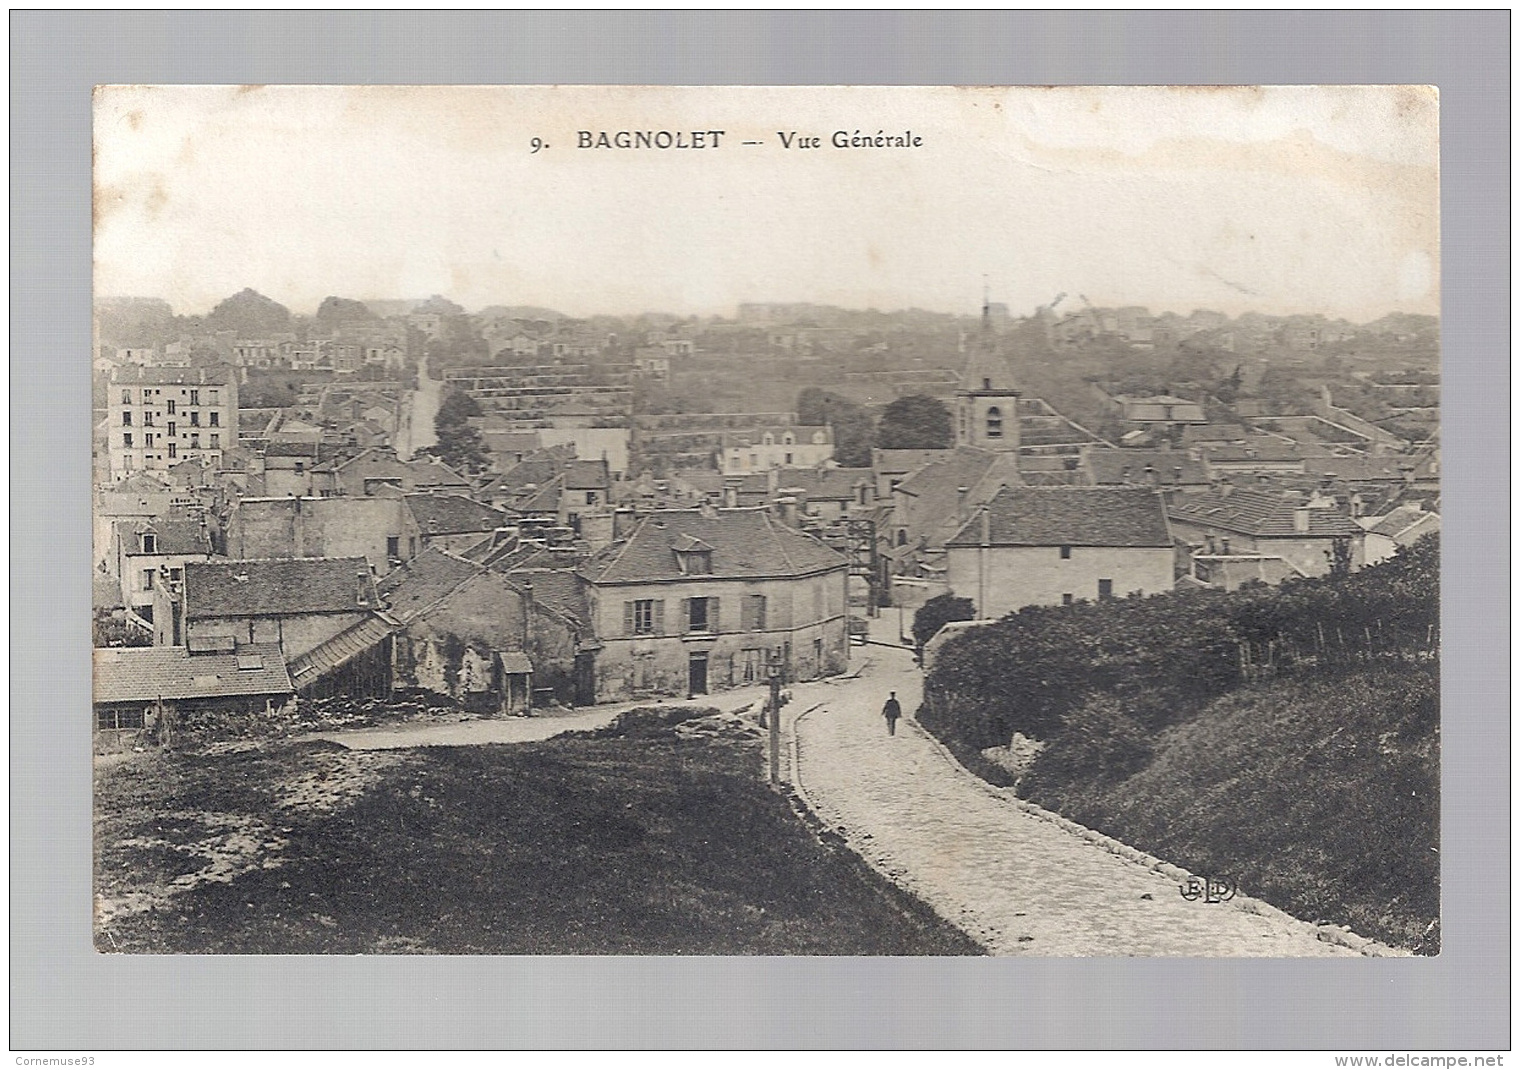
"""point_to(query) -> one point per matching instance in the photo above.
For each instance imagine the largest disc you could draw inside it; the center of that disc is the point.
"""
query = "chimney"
(1150, 474)
(960, 503)
(788, 510)
(771, 477)
(731, 495)
(1225, 487)
(986, 525)
(1301, 519)
(1177, 473)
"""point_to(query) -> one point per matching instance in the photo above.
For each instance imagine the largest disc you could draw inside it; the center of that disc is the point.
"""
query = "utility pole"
(775, 718)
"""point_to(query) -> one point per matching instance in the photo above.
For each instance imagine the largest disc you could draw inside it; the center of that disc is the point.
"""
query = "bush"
(938, 612)
(1097, 745)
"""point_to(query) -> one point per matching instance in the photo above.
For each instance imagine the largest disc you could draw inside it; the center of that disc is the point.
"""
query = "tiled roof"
(452, 514)
(560, 590)
(1387, 469)
(290, 448)
(586, 475)
(1259, 513)
(824, 484)
(173, 536)
(422, 581)
(278, 587)
(434, 474)
(212, 375)
(1402, 519)
(1129, 467)
(1070, 516)
(747, 544)
(146, 673)
(934, 490)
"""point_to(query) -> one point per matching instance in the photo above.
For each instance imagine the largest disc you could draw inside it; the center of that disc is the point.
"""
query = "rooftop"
(1260, 513)
(746, 544)
(452, 514)
(278, 587)
(1070, 516)
(147, 673)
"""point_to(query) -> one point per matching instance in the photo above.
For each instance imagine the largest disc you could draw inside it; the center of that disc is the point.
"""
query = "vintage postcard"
(767, 521)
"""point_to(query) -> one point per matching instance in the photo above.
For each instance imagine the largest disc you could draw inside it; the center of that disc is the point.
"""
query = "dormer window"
(789, 438)
(770, 439)
(149, 543)
(694, 562)
(986, 384)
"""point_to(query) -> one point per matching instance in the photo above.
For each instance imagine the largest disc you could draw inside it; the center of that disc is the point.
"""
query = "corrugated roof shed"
(146, 673)
(1070, 516)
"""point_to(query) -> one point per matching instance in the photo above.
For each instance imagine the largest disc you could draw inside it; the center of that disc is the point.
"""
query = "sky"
(1280, 199)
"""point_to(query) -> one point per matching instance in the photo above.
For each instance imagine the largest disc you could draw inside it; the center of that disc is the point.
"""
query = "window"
(126, 440)
(788, 458)
(1105, 590)
(171, 408)
(698, 615)
(149, 543)
(175, 574)
(645, 616)
(195, 441)
(1066, 553)
(393, 547)
(753, 613)
(902, 536)
(126, 397)
(127, 461)
(113, 719)
(754, 460)
(789, 439)
(126, 418)
(216, 441)
(147, 579)
(591, 498)
(212, 399)
(195, 397)
(1067, 599)
(171, 428)
(147, 419)
(994, 422)
(173, 449)
(216, 419)
(195, 419)
(752, 666)
(986, 384)
(695, 562)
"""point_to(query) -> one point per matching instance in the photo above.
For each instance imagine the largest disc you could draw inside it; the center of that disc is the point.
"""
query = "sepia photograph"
(767, 521)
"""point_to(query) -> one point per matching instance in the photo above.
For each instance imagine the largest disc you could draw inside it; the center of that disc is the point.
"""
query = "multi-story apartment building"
(158, 417)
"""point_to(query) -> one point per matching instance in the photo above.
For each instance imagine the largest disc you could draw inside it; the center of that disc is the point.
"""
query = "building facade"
(158, 416)
(695, 601)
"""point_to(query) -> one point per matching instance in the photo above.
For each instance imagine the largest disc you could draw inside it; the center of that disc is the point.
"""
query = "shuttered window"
(644, 616)
(753, 615)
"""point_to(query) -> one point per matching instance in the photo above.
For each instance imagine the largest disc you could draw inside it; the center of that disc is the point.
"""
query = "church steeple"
(987, 403)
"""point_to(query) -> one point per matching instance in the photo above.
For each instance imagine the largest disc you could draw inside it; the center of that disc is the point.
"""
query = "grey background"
(63, 995)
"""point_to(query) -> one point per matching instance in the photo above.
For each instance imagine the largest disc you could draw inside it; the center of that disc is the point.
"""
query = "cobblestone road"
(1018, 882)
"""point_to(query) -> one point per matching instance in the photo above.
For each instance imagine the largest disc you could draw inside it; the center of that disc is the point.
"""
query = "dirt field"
(647, 838)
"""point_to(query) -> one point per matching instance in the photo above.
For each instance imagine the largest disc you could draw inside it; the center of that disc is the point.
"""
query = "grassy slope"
(577, 845)
(1320, 795)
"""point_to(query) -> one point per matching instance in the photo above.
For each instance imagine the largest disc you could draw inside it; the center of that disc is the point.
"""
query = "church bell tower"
(987, 405)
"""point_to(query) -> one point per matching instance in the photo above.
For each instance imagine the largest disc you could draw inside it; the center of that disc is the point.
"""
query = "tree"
(460, 443)
(249, 314)
(335, 312)
(854, 430)
(938, 612)
(915, 422)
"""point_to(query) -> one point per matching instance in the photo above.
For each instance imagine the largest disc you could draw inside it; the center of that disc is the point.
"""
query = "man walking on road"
(892, 711)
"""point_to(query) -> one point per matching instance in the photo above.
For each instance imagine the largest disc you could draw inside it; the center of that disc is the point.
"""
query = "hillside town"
(511, 511)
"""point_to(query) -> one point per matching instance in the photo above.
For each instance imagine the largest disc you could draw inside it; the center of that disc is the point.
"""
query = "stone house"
(1301, 530)
(138, 687)
(693, 601)
(1048, 546)
(299, 604)
(789, 446)
(447, 521)
(152, 552)
(1400, 527)
(479, 637)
